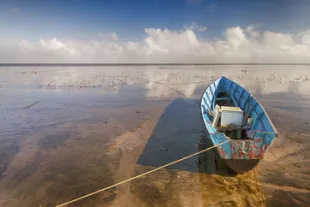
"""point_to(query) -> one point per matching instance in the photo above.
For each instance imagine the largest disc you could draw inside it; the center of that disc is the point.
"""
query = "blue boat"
(230, 112)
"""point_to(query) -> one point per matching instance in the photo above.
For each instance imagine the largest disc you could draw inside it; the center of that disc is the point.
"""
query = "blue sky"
(157, 31)
(84, 19)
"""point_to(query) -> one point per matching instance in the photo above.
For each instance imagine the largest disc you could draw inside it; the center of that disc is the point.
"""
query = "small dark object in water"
(138, 112)
(306, 122)
(31, 105)
(105, 122)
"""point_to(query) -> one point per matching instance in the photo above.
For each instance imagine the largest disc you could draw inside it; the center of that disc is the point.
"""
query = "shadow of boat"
(179, 133)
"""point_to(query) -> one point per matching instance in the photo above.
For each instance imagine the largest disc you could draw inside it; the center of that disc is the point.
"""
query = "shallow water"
(67, 131)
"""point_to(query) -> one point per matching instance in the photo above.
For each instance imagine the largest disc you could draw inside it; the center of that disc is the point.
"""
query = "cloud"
(238, 45)
(252, 30)
(114, 36)
(196, 27)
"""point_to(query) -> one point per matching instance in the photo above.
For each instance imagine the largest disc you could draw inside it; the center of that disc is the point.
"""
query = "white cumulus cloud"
(238, 45)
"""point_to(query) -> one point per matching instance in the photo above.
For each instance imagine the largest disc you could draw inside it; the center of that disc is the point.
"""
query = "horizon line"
(140, 64)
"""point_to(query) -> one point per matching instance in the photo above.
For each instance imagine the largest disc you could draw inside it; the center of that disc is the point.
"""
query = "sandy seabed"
(69, 131)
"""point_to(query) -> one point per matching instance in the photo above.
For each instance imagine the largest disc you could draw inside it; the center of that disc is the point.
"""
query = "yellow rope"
(143, 174)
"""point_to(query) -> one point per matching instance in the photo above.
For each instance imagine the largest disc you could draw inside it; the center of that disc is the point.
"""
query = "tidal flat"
(66, 131)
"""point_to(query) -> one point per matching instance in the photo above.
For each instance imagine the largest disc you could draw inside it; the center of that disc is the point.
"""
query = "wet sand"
(93, 127)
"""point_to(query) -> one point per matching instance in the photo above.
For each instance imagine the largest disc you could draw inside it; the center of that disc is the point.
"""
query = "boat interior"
(233, 130)
(232, 110)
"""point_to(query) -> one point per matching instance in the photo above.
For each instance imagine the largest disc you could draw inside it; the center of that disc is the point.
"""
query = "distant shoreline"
(136, 64)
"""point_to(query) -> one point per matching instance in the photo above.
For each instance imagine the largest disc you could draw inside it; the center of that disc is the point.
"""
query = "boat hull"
(241, 166)
(238, 163)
